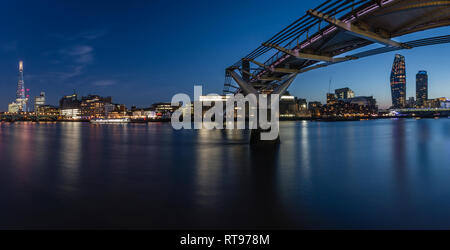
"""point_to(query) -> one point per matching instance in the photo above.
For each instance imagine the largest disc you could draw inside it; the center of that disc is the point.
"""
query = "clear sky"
(141, 52)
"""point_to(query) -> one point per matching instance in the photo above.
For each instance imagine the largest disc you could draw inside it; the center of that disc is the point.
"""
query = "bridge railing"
(299, 30)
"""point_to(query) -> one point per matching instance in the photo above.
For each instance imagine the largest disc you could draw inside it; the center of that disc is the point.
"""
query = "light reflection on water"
(364, 174)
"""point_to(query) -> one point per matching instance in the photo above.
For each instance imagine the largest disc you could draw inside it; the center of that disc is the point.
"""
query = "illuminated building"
(445, 104)
(421, 88)
(352, 107)
(94, 106)
(39, 101)
(316, 108)
(344, 93)
(121, 108)
(109, 108)
(313, 105)
(69, 101)
(151, 114)
(70, 107)
(73, 113)
(164, 107)
(147, 113)
(14, 107)
(441, 102)
(331, 98)
(212, 99)
(188, 108)
(368, 101)
(21, 98)
(116, 111)
(398, 82)
(138, 114)
(411, 103)
(291, 106)
(287, 105)
(48, 110)
(20, 104)
(302, 105)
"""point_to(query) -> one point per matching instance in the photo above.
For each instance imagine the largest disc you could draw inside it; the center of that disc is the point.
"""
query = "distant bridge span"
(335, 27)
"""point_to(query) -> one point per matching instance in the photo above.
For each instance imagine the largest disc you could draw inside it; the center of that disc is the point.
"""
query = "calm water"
(364, 174)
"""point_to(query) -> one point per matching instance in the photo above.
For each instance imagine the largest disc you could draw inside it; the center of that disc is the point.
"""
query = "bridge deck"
(319, 42)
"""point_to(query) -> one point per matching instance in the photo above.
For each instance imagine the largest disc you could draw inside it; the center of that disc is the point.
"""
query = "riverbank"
(81, 120)
(324, 119)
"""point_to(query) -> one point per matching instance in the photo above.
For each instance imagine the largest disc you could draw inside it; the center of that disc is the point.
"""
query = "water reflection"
(399, 153)
(70, 154)
(208, 168)
(305, 150)
(371, 174)
(22, 151)
(424, 136)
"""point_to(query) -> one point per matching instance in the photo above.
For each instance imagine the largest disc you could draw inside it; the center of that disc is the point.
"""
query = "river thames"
(387, 174)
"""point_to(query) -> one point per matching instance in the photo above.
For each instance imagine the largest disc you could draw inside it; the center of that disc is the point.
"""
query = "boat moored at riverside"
(110, 121)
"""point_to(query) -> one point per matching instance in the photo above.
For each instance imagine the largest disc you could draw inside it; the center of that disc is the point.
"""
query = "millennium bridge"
(322, 36)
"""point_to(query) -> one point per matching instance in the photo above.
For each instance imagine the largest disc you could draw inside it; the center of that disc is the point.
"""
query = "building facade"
(344, 93)
(288, 105)
(445, 104)
(70, 107)
(48, 110)
(20, 104)
(302, 104)
(331, 98)
(421, 88)
(20, 94)
(315, 108)
(39, 101)
(73, 114)
(14, 108)
(360, 106)
(398, 82)
(94, 106)
(411, 103)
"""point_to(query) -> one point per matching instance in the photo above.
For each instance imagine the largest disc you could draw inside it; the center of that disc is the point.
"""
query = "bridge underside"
(320, 38)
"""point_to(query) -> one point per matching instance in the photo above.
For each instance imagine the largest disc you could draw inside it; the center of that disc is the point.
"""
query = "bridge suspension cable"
(349, 25)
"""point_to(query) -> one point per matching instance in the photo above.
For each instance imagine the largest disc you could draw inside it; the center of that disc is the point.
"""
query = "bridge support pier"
(255, 134)
(247, 88)
(255, 138)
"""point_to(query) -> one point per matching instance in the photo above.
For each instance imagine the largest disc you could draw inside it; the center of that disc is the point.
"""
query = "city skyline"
(224, 124)
(398, 70)
(89, 58)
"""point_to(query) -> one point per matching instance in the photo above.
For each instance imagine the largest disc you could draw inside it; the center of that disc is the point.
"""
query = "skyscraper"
(39, 101)
(21, 98)
(20, 85)
(421, 88)
(398, 82)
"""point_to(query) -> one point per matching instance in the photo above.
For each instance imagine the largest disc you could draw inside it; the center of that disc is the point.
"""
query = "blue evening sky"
(141, 52)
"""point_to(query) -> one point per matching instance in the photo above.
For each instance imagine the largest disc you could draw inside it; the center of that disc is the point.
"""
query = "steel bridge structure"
(327, 34)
